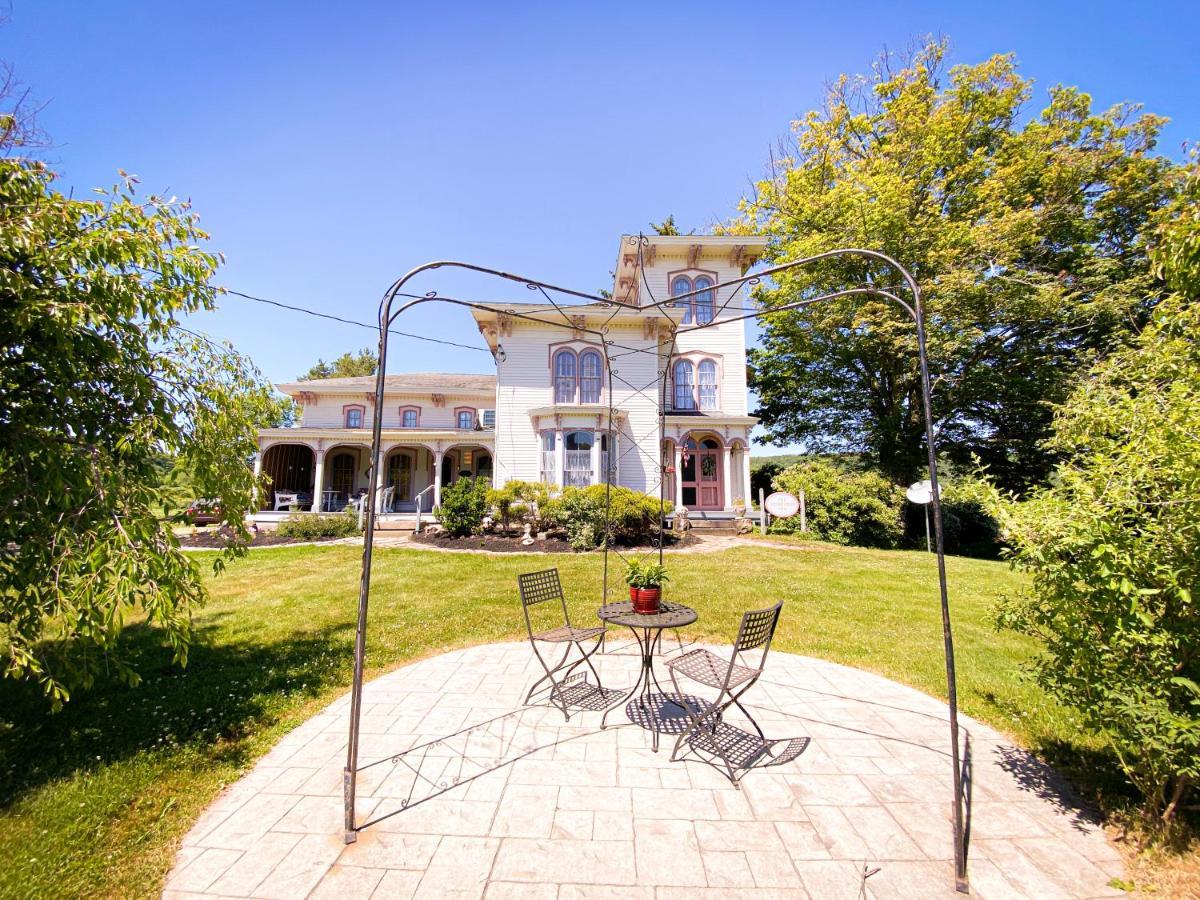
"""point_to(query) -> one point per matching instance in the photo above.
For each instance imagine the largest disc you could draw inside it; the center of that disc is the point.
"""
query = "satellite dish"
(921, 492)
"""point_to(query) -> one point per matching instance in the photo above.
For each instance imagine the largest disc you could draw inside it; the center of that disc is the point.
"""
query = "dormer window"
(353, 416)
(699, 308)
(465, 418)
(578, 377)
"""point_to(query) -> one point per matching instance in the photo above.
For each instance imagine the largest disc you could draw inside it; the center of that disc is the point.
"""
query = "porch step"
(714, 526)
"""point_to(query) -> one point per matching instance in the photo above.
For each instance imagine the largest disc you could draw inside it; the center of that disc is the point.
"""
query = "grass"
(94, 800)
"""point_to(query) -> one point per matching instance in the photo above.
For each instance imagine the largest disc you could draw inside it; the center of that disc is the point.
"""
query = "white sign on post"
(782, 505)
(922, 493)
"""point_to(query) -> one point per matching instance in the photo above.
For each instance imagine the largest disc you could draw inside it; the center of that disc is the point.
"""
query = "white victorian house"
(544, 414)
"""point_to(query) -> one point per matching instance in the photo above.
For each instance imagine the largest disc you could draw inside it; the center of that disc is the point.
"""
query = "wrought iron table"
(647, 630)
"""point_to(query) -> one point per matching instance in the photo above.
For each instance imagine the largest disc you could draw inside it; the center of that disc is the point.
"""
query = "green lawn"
(96, 798)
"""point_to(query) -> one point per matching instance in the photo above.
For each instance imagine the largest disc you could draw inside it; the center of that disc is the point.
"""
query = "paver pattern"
(549, 809)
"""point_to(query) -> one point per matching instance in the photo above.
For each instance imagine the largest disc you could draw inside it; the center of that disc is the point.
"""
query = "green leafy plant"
(843, 506)
(631, 515)
(100, 380)
(464, 505)
(1113, 548)
(646, 573)
(312, 528)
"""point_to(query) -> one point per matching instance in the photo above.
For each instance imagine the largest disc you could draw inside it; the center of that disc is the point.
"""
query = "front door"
(342, 479)
(400, 473)
(701, 475)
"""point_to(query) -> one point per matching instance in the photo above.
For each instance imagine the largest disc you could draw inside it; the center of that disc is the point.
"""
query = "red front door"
(701, 476)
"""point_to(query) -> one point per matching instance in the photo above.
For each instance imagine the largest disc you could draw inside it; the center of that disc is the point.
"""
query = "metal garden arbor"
(559, 315)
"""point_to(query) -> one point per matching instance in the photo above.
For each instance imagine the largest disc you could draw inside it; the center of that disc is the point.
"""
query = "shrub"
(522, 501)
(632, 515)
(464, 504)
(1113, 549)
(312, 528)
(858, 508)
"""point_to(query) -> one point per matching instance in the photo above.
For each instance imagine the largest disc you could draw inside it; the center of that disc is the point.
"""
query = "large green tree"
(99, 380)
(1026, 233)
(1113, 546)
(348, 365)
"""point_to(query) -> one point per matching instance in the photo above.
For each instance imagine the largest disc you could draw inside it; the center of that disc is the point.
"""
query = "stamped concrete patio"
(467, 793)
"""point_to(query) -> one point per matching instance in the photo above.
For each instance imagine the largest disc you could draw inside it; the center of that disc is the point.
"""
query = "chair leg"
(696, 717)
(549, 676)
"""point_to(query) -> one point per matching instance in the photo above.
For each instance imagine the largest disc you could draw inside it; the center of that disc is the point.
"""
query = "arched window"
(410, 417)
(685, 397)
(564, 376)
(681, 284)
(708, 384)
(590, 368)
(353, 416)
(465, 418)
(704, 300)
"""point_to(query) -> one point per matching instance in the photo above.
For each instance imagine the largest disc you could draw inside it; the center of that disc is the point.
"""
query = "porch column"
(258, 463)
(437, 478)
(678, 476)
(726, 483)
(559, 456)
(746, 478)
(318, 480)
(596, 479)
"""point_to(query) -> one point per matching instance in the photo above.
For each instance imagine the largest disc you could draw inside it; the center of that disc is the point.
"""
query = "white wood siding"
(327, 412)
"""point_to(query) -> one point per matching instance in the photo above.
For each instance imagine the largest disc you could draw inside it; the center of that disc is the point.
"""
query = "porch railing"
(420, 496)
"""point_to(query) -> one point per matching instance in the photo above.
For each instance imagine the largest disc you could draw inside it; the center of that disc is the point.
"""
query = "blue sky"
(329, 147)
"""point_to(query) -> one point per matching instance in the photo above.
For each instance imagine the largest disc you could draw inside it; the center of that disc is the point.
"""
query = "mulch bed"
(212, 540)
(498, 543)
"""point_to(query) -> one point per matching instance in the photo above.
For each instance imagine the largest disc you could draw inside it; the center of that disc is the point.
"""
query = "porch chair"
(732, 677)
(538, 587)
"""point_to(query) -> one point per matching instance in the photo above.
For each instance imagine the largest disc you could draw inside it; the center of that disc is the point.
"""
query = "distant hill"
(782, 460)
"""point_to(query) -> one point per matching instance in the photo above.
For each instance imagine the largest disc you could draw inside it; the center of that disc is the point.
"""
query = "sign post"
(922, 493)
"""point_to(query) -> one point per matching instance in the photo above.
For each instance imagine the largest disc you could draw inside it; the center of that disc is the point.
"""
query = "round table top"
(669, 615)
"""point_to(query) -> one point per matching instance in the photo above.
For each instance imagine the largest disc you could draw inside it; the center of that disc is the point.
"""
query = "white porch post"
(747, 490)
(258, 464)
(726, 483)
(437, 477)
(596, 479)
(559, 455)
(318, 480)
(678, 476)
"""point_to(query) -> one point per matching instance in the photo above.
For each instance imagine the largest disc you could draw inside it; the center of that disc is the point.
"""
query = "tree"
(348, 365)
(99, 382)
(668, 228)
(1027, 235)
(1113, 547)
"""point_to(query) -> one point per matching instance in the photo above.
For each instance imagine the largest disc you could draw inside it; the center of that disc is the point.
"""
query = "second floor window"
(578, 378)
(409, 418)
(466, 419)
(698, 308)
(692, 393)
(354, 417)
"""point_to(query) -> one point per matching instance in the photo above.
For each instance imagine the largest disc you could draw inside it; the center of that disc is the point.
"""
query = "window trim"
(412, 408)
(362, 410)
(459, 410)
(691, 275)
(694, 358)
(576, 349)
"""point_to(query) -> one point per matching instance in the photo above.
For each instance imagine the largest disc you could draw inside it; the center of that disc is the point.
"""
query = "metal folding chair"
(538, 587)
(733, 677)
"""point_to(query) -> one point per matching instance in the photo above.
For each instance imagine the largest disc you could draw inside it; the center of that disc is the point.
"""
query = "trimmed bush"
(851, 508)
(312, 528)
(580, 512)
(519, 501)
(464, 504)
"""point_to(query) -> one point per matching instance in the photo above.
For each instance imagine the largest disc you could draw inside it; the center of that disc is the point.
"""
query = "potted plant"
(645, 579)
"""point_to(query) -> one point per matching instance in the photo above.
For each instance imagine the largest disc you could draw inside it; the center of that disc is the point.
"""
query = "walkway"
(500, 800)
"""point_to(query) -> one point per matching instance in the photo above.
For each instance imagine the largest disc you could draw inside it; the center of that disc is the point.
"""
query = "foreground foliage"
(98, 380)
(1114, 546)
(1028, 235)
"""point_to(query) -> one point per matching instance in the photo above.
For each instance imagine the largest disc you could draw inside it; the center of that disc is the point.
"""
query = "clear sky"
(329, 147)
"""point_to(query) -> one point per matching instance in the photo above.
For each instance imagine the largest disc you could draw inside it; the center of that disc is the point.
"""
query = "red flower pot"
(646, 600)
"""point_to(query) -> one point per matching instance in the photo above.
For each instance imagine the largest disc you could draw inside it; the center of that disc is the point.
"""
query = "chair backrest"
(757, 630)
(538, 587)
